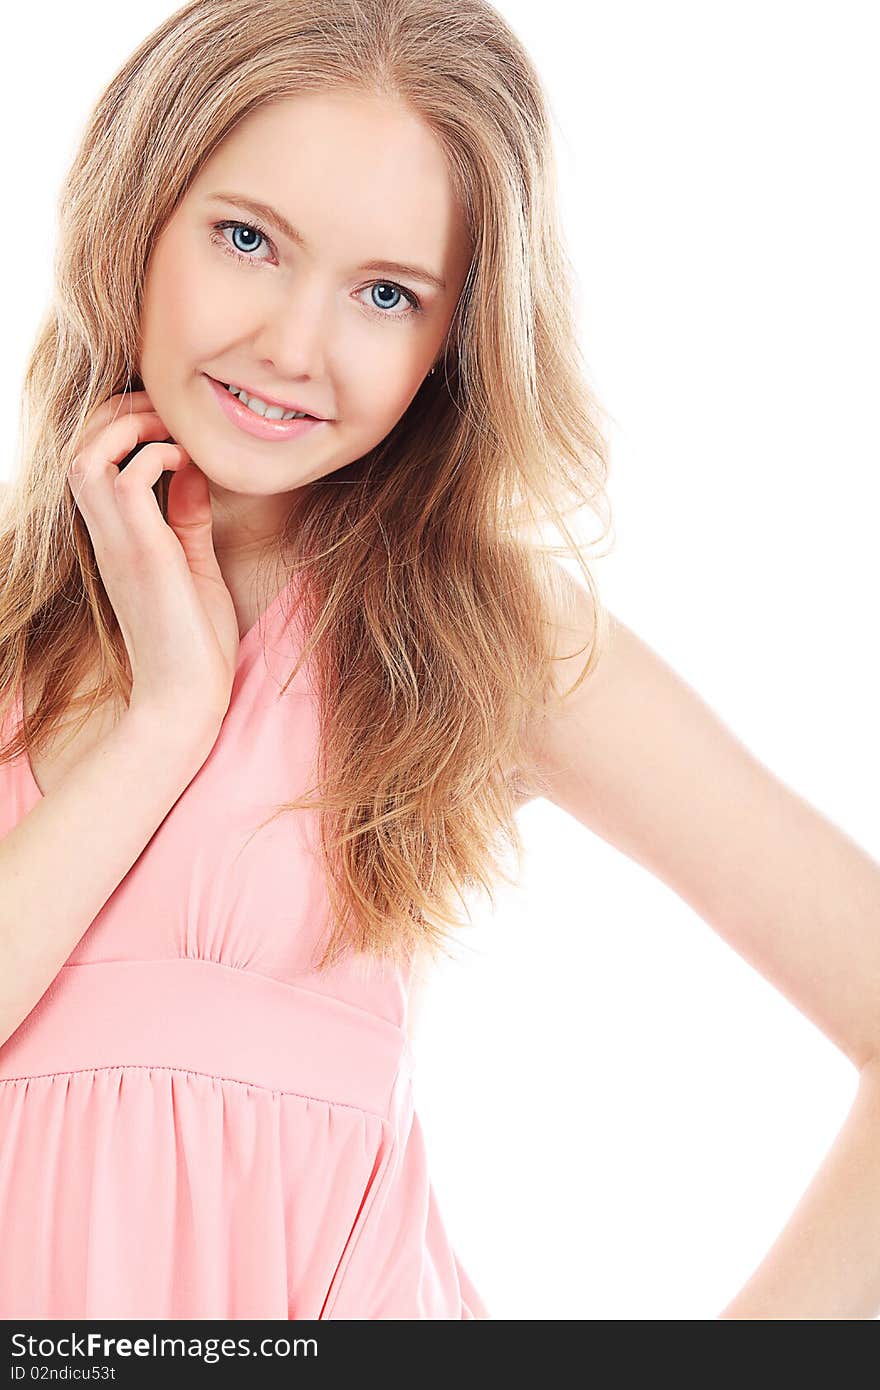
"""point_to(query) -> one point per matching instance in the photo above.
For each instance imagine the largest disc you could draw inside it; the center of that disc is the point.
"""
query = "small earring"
(433, 369)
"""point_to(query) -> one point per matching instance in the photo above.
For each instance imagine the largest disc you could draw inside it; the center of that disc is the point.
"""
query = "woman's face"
(322, 320)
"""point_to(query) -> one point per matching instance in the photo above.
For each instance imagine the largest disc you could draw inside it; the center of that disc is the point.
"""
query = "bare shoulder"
(582, 659)
(613, 750)
(621, 719)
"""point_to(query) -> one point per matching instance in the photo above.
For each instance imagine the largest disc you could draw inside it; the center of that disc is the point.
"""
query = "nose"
(294, 331)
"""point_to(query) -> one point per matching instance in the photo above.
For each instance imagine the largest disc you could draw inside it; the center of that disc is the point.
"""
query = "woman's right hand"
(175, 613)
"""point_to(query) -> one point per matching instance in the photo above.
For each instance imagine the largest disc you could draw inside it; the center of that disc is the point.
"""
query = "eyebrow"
(270, 214)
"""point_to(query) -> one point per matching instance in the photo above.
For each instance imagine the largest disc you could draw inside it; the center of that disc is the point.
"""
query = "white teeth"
(270, 412)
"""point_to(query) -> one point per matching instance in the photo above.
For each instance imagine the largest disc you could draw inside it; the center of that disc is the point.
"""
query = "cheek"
(177, 303)
(387, 384)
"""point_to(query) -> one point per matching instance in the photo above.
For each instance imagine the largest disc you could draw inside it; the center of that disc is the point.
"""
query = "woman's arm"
(825, 1264)
(639, 758)
(63, 860)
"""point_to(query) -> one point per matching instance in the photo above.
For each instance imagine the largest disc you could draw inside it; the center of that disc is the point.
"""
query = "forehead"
(344, 168)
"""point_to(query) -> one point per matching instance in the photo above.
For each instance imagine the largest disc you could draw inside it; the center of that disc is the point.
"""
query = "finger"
(191, 519)
(125, 403)
(124, 519)
(106, 450)
(93, 472)
(132, 492)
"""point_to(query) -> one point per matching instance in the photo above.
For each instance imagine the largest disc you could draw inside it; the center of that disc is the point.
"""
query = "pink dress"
(193, 1122)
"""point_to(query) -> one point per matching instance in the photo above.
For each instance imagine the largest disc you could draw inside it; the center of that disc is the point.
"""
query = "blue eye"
(256, 231)
(387, 285)
(249, 232)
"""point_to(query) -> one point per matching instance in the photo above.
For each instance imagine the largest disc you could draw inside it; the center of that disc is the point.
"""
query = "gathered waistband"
(198, 1015)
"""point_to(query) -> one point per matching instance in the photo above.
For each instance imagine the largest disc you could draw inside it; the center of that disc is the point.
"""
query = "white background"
(620, 1113)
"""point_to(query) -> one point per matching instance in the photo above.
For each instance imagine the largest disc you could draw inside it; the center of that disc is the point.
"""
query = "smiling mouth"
(233, 389)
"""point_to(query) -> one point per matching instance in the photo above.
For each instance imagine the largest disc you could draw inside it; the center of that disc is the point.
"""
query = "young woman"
(272, 689)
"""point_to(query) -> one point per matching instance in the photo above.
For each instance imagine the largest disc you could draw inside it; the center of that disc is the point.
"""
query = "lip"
(258, 425)
(271, 400)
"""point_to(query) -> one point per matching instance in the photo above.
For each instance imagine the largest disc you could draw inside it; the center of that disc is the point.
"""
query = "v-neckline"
(248, 638)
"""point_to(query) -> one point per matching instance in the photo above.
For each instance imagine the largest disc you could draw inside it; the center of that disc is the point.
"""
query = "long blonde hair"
(428, 587)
